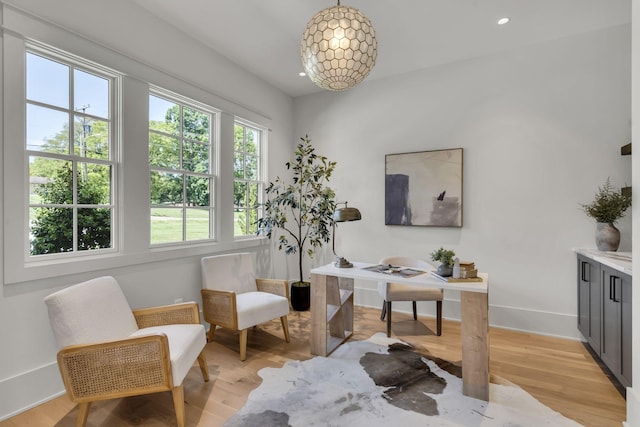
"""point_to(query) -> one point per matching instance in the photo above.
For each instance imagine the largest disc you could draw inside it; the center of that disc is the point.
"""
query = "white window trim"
(115, 107)
(263, 172)
(214, 175)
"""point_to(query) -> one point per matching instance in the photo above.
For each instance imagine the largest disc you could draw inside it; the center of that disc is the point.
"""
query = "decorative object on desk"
(343, 215)
(383, 382)
(608, 206)
(456, 268)
(467, 273)
(424, 188)
(394, 271)
(338, 48)
(445, 256)
(303, 209)
(468, 270)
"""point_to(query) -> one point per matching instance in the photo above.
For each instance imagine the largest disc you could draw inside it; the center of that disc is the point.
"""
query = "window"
(70, 154)
(248, 179)
(180, 160)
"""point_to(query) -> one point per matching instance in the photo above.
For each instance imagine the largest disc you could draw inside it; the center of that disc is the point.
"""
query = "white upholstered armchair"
(401, 292)
(108, 351)
(233, 298)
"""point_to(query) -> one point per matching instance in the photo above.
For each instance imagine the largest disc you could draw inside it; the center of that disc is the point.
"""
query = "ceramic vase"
(607, 237)
(445, 270)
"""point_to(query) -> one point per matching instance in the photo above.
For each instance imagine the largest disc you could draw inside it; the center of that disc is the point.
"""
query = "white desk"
(332, 316)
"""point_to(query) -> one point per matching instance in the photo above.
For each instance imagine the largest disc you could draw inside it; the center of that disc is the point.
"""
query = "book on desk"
(394, 271)
(452, 280)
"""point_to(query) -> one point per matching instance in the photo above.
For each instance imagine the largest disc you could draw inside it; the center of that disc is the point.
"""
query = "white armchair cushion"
(230, 272)
(185, 344)
(92, 311)
(259, 307)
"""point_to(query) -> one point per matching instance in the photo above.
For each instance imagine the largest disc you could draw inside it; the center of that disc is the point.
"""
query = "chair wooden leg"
(415, 311)
(243, 344)
(178, 404)
(83, 413)
(388, 318)
(212, 330)
(202, 361)
(383, 313)
(439, 317)
(285, 328)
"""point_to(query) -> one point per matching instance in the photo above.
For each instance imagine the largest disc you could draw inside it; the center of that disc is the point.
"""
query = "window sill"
(61, 267)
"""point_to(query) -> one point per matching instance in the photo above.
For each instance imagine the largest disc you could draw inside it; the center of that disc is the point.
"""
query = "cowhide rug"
(381, 382)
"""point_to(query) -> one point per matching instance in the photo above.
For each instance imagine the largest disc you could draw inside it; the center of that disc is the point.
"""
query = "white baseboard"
(30, 389)
(633, 408)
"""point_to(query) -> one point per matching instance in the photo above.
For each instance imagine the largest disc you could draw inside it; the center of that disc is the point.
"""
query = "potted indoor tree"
(608, 206)
(302, 209)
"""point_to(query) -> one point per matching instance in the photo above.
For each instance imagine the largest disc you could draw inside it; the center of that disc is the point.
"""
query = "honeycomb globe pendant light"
(338, 48)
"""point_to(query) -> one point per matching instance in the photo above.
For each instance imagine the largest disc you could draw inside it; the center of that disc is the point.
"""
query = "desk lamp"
(343, 215)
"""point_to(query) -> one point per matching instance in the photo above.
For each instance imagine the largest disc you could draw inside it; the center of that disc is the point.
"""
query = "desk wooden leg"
(475, 344)
(318, 338)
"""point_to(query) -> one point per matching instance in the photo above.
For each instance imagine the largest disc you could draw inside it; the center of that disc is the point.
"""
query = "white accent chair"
(400, 292)
(233, 298)
(108, 351)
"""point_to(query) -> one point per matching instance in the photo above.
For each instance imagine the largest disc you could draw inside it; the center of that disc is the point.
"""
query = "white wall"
(541, 129)
(127, 38)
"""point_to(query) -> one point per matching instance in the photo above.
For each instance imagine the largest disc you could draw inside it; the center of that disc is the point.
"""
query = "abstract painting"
(424, 188)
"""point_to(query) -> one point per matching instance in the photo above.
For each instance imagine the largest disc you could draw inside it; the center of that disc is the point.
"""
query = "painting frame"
(424, 188)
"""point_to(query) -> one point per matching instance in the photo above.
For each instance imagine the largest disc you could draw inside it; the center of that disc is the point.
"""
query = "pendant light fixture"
(338, 48)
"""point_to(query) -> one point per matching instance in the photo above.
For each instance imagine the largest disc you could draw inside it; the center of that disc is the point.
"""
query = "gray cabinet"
(604, 315)
(589, 301)
(616, 323)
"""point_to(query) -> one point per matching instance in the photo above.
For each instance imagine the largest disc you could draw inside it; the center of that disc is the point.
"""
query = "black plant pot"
(301, 296)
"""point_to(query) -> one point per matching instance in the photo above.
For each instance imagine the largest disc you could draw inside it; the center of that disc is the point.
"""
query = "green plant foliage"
(52, 229)
(303, 208)
(609, 205)
(445, 256)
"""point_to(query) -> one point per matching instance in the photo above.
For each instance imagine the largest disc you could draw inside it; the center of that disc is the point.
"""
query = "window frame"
(114, 78)
(262, 170)
(212, 175)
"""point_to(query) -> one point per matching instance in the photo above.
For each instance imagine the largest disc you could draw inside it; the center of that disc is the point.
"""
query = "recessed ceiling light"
(504, 20)
(302, 74)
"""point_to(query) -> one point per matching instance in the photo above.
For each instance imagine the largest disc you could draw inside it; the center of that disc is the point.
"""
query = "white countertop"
(621, 261)
(357, 272)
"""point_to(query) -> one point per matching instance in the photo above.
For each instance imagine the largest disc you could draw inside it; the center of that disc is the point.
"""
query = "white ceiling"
(263, 36)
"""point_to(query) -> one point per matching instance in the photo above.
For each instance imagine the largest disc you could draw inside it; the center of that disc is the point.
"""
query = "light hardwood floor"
(560, 373)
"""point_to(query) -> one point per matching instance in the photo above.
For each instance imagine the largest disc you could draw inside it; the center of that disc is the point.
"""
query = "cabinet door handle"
(616, 296)
(610, 287)
(583, 273)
